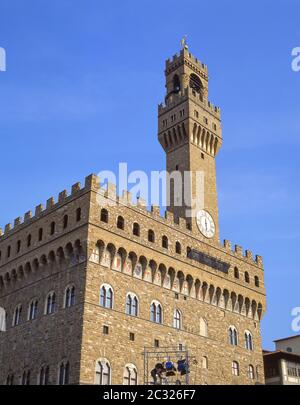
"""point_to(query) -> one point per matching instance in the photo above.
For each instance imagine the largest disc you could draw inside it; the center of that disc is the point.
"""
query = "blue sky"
(81, 90)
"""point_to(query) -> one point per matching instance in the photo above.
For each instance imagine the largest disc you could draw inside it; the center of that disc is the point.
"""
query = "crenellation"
(169, 217)
(179, 58)
(17, 222)
(182, 224)
(155, 210)
(238, 250)
(111, 191)
(127, 197)
(7, 228)
(259, 261)
(27, 216)
(182, 96)
(227, 244)
(248, 254)
(50, 203)
(38, 210)
(62, 196)
(75, 188)
(92, 182)
(141, 203)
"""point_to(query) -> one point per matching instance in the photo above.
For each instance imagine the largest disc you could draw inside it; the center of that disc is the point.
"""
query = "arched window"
(156, 312)
(69, 297)
(204, 362)
(236, 273)
(103, 372)
(176, 84)
(52, 228)
(177, 319)
(17, 315)
(25, 378)
(78, 214)
(104, 215)
(130, 376)
(106, 296)
(120, 222)
(195, 83)
(151, 236)
(165, 242)
(251, 372)
(8, 251)
(29, 240)
(203, 327)
(65, 221)
(33, 309)
(136, 229)
(50, 303)
(247, 278)
(40, 234)
(233, 336)
(18, 246)
(44, 375)
(256, 281)
(64, 373)
(235, 368)
(248, 340)
(132, 304)
(178, 248)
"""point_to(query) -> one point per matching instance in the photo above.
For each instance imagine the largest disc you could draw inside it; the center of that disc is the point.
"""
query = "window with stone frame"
(69, 300)
(233, 336)
(235, 368)
(130, 376)
(248, 340)
(156, 312)
(64, 373)
(132, 304)
(17, 315)
(177, 319)
(50, 303)
(106, 296)
(33, 309)
(103, 372)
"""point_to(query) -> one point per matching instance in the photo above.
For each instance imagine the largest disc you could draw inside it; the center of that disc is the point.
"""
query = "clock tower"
(189, 130)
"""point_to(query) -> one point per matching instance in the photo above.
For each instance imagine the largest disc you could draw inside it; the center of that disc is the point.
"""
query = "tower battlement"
(184, 95)
(51, 205)
(179, 58)
(109, 192)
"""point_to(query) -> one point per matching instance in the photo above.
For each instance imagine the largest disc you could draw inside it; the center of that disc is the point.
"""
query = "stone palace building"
(97, 290)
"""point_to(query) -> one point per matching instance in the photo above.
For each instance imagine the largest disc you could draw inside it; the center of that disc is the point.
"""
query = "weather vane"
(183, 42)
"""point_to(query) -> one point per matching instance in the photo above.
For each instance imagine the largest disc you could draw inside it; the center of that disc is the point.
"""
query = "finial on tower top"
(183, 42)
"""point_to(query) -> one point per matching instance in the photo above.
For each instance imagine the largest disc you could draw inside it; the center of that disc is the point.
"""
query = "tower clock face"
(205, 224)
